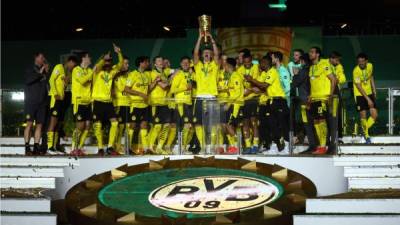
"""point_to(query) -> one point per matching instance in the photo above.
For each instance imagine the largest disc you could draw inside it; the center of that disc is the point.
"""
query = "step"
(366, 160)
(374, 183)
(24, 182)
(12, 150)
(28, 219)
(26, 171)
(369, 150)
(377, 139)
(323, 205)
(346, 219)
(41, 204)
(58, 161)
(372, 171)
(20, 141)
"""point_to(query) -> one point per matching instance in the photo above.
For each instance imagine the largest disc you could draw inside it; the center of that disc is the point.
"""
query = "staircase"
(373, 175)
(25, 182)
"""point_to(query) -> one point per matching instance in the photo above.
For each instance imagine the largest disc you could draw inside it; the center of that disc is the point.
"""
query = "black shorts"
(36, 112)
(103, 111)
(124, 115)
(204, 107)
(362, 104)
(57, 109)
(183, 113)
(161, 114)
(140, 114)
(250, 108)
(264, 111)
(84, 113)
(66, 102)
(319, 110)
(234, 119)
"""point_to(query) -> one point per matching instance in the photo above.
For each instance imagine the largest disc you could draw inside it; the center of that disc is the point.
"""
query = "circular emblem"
(28, 116)
(157, 120)
(79, 117)
(214, 194)
(186, 119)
(133, 117)
(54, 113)
(195, 119)
(94, 117)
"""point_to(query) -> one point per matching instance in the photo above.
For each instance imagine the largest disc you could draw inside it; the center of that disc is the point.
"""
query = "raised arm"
(196, 51)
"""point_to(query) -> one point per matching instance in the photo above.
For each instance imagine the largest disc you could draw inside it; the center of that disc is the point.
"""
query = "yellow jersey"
(236, 89)
(81, 85)
(338, 71)
(223, 80)
(179, 86)
(103, 80)
(319, 81)
(158, 95)
(56, 81)
(120, 97)
(254, 72)
(138, 81)
(274, 89)
(206, 77)
(363, 77)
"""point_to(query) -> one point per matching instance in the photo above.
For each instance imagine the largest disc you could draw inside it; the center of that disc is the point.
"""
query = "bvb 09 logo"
(214, 194)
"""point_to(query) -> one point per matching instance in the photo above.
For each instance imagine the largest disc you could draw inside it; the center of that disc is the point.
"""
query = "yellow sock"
(155, 130)
(131, 131)
(200, 135)
(185, 136)
(317, 131)
(171, 136)
(370, 122)
(364, 127)
(247, 142)
(55, 139)
(256, 141)
(82, 138)
(220, 137)
(120, 134)
(214, 134)
(98, 132)
(323, 132)
(75, 138)
(143, 140)
(113, 133)
(162, 138)
(232, 140)
(50, 139)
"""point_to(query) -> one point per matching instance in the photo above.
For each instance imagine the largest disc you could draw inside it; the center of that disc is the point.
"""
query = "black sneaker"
(52, 151)
(280, 144)
(28, 150)
(111, 151)
(100, 152)
(36, 149)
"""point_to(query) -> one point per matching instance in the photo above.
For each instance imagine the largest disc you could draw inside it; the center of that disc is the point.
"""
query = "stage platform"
(357, 167)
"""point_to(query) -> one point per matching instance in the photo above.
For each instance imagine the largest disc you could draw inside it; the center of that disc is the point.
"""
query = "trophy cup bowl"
(205, 25)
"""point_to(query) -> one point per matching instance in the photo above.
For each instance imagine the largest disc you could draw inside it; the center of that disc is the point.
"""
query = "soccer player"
(103, 109)
(335, 128)
(223, 80)
(250, 126)
(57, 82)
(81, 88)
(137, 86)
(122, 104)
(242, 52)
(181, 90)
(295, 64)
(301, 82)
(276, 102)
(365, 93)
(323, 82)
(206, 78)
(35, 91)
(161, 114)
(235, 103)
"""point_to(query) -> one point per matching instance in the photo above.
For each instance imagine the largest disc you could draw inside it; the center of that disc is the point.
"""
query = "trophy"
(205, 25)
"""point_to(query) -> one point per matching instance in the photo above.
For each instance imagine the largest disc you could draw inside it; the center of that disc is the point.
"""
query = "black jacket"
(36, 89)
(301, 82)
